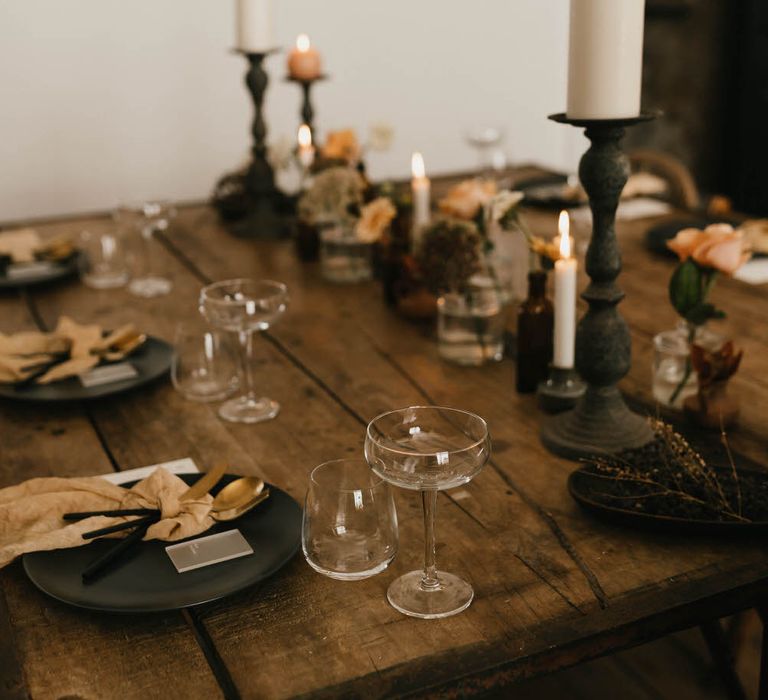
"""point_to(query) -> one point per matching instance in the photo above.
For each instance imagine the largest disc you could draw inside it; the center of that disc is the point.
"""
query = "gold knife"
(205, 483)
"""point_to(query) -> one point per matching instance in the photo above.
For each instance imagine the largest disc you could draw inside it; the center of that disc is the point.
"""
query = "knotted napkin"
(31, 512)
(25, 246)
(83, 345)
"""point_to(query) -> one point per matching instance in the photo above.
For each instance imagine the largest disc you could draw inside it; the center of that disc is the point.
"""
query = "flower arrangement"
(449, 255)
(375, 218)
(336, 194)
(703, 255)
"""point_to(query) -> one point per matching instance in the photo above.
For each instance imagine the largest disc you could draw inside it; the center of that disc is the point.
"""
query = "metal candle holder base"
(262, 218)
(601, 421)
(561, 391)
(307, 111)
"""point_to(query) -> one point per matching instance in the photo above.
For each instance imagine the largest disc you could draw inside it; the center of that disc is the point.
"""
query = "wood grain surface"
(553, 586)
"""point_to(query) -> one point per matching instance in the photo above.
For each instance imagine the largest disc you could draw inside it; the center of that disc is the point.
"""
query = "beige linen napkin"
(21, 352)
(31, 512)
(20, 245)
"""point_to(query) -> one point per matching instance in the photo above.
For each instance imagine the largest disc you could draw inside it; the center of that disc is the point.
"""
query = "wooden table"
(553, 586)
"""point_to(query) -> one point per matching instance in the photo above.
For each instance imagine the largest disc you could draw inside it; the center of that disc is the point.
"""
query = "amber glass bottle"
(535, 320)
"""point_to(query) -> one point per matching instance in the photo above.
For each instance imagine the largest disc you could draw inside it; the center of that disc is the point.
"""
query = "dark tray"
(580, 485)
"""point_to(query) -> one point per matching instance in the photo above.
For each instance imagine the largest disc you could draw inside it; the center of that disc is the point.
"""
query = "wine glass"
(487, 141)
(146, 219)
(428, 448)
(243, 306)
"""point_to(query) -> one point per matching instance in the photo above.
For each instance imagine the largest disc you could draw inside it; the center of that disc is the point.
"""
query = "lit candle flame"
(305, 136)
(302, 43)
(417, 166)
(563, 226)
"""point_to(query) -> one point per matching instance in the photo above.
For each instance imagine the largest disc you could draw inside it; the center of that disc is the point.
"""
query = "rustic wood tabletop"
(553, 585)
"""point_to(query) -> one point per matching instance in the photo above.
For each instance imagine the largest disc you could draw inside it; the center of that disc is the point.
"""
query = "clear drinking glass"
(470, 326)
(243, 306)
(428, 448)
(349, 525)
(344, 258)
(487, 141)
(145, 220)
(204, 366)
(104, 263)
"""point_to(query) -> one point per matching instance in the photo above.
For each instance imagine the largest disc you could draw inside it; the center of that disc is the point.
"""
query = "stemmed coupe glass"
(146, 219)
(428, 448)
(243, 306)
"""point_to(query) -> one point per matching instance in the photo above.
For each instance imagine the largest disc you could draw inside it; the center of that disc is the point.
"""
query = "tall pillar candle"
(605, 59)
(565, 299)
(254, 26)
(420, 187)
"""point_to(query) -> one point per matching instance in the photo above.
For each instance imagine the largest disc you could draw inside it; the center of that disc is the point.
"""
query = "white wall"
(109, 100)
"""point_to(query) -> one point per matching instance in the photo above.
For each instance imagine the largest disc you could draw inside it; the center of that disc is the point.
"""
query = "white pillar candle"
(565, 299)
(420, 187)
(605, 60)
(254, 26)
(306, 149)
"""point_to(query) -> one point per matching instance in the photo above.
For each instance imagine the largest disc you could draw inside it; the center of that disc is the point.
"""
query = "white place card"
(204, 551)
(20, 271)
(108, 374)
(753, 272)
(186, 465)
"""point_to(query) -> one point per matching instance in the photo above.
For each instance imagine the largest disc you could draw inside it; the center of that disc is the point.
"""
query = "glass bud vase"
(470, 325)
(343, 258)
(673, 377)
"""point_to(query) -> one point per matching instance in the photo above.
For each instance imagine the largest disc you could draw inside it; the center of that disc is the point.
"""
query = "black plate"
(152, 361)
(580, 485)
(657, 236)
(549, 193)
(146, 580)
(58, 271)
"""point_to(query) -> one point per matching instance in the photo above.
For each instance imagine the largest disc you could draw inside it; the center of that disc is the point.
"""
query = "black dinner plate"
(146, 580)
(57, 271)
(152, 361)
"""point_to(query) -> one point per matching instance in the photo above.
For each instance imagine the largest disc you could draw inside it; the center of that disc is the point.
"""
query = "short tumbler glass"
(104, 263)
(349, 526)
(204, 366)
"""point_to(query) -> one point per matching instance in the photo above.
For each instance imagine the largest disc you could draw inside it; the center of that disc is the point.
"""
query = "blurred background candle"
(254, 26)
(304, 60)
(420, 187)
(306, 149)
(565, 299)
(605, 58)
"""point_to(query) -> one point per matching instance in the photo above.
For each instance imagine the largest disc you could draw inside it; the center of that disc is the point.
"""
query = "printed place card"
(22, 271)
(108, 374)
(185, 465)
(205, 551)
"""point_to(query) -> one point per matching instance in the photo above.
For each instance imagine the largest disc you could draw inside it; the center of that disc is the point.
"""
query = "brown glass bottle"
(535, 320)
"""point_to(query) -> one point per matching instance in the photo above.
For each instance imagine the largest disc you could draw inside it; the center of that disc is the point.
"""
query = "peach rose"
(465, 199)
(718, 247)
(342, 145)
(374, 219)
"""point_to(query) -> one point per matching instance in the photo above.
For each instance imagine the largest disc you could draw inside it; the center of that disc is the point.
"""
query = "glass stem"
(429, 582)
(146, 249)
(246, 363)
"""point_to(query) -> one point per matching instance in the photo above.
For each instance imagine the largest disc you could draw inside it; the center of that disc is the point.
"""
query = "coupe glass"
(428, 448)
(349, 525)
(243, 306)
(146, 219)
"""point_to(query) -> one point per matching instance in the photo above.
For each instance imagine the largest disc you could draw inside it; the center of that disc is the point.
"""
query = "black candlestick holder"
(561, 391)
(601, 422)
(258, 213)
(307, 110)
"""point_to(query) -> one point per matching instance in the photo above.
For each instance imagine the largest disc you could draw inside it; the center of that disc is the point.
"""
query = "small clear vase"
(343, 258)
(470, 325)
(673, 377)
